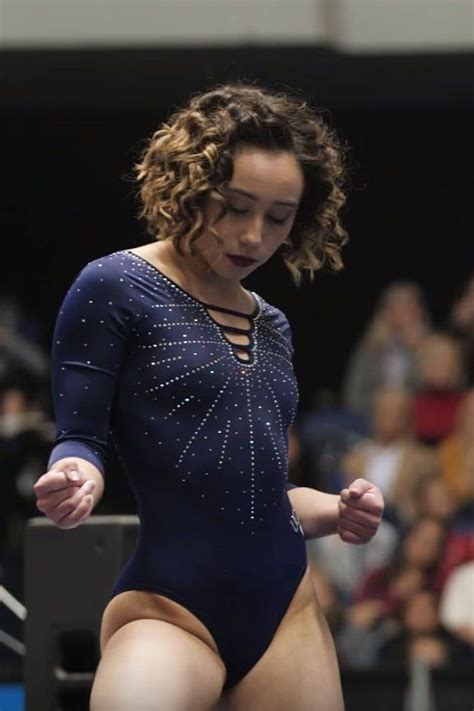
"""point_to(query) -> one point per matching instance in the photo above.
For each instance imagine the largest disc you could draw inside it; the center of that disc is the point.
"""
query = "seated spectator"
(386, 353)
(413, 567)
(461, 324)
(459, 546)
(391, 458)
(457, 603)
(20, 353)
(26, 435)
(432, 498)
(363, 632)
(452, 452)
(344, 566)
(374, 615)
(327, 432)
(440, 392)
(422, 636)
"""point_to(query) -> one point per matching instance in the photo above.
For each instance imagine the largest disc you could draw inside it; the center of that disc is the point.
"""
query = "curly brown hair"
(191, 156)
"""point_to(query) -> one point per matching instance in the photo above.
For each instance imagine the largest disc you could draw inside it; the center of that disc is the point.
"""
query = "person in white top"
(457, 602)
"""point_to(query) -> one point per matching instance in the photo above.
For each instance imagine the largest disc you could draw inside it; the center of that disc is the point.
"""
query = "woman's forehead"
(268, 175)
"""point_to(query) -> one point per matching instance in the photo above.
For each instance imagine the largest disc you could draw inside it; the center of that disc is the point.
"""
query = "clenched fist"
(64, 494)
(360, 511)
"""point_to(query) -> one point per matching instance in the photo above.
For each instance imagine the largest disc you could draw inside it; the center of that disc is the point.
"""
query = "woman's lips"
(240, 261)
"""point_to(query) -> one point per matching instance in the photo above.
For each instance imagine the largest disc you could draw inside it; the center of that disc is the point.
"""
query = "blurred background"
(384, 349)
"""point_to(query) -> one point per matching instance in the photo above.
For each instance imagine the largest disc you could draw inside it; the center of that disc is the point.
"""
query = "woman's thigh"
(298, 670)
(152, 665)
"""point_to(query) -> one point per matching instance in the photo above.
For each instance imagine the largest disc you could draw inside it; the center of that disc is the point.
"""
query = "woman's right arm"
(89, 345)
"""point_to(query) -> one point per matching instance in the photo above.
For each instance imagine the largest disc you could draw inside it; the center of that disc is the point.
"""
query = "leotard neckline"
(213, 307)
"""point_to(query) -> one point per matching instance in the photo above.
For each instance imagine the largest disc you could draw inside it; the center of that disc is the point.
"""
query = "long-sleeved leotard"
(202, 435)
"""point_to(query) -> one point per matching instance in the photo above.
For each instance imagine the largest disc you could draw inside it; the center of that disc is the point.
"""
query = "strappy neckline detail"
(224, 309)
(247, 348)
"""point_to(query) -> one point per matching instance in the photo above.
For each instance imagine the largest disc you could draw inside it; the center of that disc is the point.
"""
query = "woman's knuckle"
(78, 512)
(71, 508)
(63, 510)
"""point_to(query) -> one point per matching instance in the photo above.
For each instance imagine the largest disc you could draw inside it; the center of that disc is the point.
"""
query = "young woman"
(162, 343)
(386, 353)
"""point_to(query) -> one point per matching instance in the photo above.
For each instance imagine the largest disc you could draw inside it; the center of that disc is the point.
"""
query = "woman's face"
(440, 363)
(423, 544)
(390, 416)
(262, 199)
(466, 416)
(403, 307)
(436, 499)
(421, 613)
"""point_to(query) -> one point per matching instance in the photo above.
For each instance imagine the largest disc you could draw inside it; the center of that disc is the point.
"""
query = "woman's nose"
(252, 234)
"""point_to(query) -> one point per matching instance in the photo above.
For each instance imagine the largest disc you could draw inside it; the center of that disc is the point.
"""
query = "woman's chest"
(181, 359)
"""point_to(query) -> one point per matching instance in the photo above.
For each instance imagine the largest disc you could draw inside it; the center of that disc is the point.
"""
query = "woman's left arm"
(354, 514)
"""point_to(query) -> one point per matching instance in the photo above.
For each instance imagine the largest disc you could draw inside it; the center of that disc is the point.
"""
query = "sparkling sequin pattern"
(139, 355)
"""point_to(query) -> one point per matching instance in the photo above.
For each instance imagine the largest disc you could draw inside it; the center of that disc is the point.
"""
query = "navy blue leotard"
(202, 436)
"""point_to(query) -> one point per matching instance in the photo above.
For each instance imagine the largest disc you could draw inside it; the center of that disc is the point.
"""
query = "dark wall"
(73, 122)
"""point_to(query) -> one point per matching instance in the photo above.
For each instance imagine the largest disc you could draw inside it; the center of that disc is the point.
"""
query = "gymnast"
(163, 347)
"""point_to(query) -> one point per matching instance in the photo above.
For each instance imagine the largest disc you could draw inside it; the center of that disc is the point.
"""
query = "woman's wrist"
(317, 511)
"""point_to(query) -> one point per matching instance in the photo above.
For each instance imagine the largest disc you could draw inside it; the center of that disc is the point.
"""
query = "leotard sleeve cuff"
(73, 448)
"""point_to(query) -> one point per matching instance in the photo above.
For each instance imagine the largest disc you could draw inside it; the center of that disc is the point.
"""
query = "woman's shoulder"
(275, 322)
(111, 262)
(270, 311)
(108, 269)
(106, 277)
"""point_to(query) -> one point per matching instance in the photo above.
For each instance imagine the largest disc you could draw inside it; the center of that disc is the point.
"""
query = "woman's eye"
(277, 220)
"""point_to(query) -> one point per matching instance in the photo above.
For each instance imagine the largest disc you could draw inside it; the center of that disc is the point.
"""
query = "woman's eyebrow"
(289, 203)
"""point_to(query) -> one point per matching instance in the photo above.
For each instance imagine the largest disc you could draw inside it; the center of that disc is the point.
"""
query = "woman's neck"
(195, 275)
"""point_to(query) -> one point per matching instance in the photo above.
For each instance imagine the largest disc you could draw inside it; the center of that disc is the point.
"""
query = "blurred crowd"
(404, 420)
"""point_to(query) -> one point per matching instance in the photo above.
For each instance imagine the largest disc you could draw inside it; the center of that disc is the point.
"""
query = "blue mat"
(11, 697)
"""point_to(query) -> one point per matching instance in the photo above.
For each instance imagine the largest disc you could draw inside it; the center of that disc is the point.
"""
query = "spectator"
(413, 567)
(19, 351)
(386, 353)
(461, 324)
(391, 458)
(25, 442)
(374, 615)
(327, 432)
(452, 452)
(440, 392)
(362, 634)
(457, 603)
(344, 566)
(459, 546)
(422, 636)
(432, 498)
